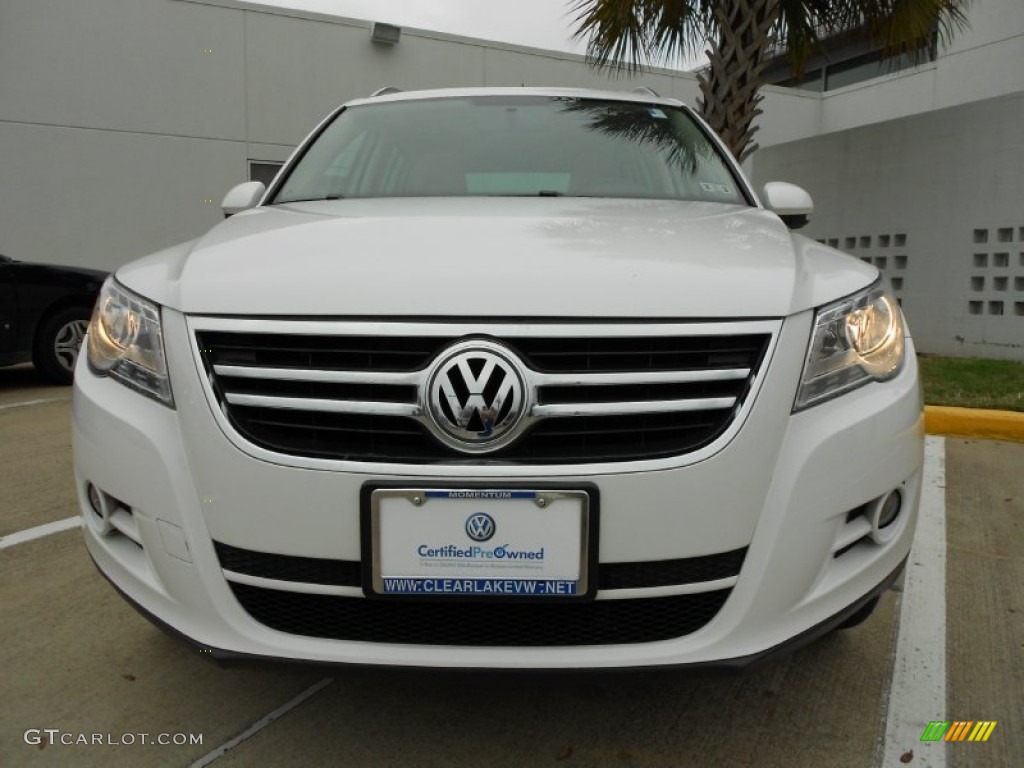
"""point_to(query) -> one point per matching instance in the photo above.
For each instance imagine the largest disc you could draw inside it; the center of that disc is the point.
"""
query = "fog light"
(885, 513)
(890, 509)
(94, 499)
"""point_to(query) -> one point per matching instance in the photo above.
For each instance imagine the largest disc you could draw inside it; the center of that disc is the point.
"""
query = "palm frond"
(621, 121)
(912, 27)
(899, 27)
(627, 34)
(742, 35)
(801, 27)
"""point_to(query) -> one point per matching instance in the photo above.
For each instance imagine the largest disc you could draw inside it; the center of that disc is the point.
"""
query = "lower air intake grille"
(348, 573)
(601, 622)
(308, 570)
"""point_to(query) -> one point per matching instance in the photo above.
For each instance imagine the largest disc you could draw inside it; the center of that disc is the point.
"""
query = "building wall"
(124, 122)
(922, 173)
(117, 128)
(982, 61)
(937, 201)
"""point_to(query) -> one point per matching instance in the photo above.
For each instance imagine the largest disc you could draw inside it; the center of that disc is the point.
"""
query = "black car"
(44, 312)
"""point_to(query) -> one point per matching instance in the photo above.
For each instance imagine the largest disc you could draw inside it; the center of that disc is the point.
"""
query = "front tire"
(57, 343)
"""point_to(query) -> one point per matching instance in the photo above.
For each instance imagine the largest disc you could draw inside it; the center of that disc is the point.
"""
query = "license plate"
(480, 543)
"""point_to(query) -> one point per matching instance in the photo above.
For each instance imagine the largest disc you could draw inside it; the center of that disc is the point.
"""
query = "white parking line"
(918, 691)
(262, 723)
(26, 403)
(39, 531)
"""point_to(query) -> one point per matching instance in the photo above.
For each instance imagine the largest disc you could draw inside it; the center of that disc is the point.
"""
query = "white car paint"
(567, 257)
(778, 483)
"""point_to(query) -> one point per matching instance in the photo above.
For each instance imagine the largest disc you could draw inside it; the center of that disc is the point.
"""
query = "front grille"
(348, 573)
(601, 622)
(334, 353)
(572, 354)
(336, 392)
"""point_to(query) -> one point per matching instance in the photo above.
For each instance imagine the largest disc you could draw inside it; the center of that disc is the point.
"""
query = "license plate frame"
(373, 494)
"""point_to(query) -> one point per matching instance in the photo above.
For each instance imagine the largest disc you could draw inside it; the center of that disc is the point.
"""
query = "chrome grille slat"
(325, 406)
(541, 379)
(564, 410)
(640, 377)
(318, 375)
(344, 390)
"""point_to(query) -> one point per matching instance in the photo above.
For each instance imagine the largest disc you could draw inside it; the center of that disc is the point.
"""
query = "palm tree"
(743, 35)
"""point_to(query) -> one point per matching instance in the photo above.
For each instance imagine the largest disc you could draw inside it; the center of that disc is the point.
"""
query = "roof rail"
(646, 91)
(385, 90)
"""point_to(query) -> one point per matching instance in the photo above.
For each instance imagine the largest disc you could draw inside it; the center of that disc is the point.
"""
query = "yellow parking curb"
(974, 422)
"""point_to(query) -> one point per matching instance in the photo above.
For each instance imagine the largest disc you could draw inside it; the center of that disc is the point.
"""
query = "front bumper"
(784, 648)
(791, 489)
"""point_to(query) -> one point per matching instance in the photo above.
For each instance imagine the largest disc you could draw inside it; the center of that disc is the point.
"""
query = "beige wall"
(937, 201)
(124, 122)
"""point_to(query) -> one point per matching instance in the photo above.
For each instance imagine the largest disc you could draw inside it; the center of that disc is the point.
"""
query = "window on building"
(862, 68)
(813, 80)
(840, 61)
(262, 170)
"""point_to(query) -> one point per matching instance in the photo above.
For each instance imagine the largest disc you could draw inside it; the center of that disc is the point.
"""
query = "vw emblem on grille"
(480, 526)
(476, 396)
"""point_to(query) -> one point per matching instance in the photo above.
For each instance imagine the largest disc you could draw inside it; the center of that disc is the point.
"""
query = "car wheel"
(57, 342)
(861, 615)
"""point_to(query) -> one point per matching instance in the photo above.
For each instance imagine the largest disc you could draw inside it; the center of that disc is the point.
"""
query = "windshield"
(512, 145)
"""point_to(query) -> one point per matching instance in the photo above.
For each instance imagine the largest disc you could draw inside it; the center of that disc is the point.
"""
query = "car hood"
(499, 257)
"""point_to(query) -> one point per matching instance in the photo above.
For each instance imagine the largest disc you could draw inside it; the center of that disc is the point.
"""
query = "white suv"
(501, 378)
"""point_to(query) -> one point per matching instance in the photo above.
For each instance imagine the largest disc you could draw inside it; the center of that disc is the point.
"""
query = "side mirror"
(792, 203)
(242, 197)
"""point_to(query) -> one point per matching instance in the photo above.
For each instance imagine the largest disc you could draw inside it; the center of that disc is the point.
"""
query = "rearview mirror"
(792, 203)
(242, 197)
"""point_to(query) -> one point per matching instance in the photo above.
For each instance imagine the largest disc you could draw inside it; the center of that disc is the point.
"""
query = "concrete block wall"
(937, 202)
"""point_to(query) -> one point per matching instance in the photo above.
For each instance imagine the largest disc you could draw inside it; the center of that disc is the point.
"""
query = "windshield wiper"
(541, 193)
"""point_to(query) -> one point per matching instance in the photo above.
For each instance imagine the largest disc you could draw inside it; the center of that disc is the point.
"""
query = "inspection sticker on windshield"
(716, 188)
(721, 189)
(655, 112)
(480, 542)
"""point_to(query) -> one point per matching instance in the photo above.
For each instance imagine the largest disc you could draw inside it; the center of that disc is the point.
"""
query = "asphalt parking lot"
(79, 663)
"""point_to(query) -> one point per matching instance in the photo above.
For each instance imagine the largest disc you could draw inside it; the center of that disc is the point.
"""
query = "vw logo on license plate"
(480, 526)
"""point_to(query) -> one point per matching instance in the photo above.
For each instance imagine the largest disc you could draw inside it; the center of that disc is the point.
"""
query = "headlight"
(126, 342)
(856, 340)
